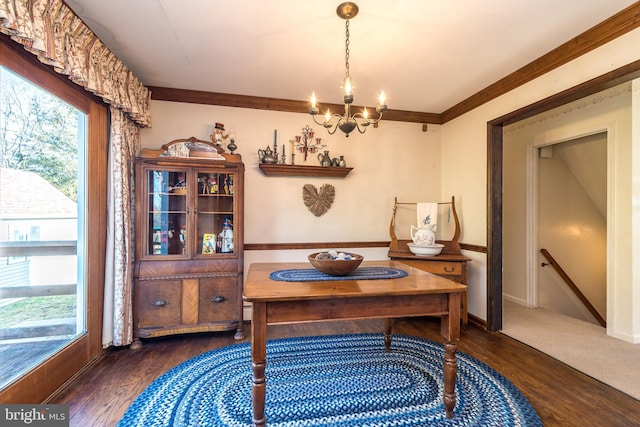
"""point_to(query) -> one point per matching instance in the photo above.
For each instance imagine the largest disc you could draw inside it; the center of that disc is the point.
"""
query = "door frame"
(495, 164)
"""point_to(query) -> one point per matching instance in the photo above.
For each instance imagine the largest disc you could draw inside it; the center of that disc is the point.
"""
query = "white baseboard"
(511, 298)
(246, 312)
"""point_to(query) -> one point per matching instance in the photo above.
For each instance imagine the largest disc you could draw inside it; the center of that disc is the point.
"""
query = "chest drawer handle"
(160, 303)
(218, 299)
(449, 271)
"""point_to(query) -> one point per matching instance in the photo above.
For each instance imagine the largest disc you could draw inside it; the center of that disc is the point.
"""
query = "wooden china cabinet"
(189, 240)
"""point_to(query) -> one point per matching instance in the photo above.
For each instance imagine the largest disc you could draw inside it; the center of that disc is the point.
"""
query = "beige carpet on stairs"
(581, 345)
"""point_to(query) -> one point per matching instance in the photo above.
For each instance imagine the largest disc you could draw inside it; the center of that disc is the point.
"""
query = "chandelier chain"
(346, 49)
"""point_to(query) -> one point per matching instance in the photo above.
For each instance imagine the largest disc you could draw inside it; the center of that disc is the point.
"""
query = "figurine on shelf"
(175, 244)
(225, 237)
(205, 187)
(182, 182)
(218, 135)
(228, 185)
(213, 184)
(183, 235)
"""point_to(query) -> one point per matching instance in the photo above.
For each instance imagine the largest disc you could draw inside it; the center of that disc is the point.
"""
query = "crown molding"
(273, 104)
(610, 29)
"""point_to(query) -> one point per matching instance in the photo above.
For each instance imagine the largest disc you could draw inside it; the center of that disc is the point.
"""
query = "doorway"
(496, 182)
(556, 176)
(555, 220)
(555, 217)
(570, 228)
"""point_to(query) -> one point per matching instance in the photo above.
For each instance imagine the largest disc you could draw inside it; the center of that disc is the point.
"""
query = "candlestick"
(293, 151)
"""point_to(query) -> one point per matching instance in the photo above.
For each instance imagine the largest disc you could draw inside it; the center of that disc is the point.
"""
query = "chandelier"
(347, 122)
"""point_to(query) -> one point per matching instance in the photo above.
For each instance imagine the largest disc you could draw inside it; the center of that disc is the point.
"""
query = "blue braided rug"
(360, 273)
(339, 380)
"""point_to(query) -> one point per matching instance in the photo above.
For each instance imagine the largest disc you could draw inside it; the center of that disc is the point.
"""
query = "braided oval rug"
(337, 380)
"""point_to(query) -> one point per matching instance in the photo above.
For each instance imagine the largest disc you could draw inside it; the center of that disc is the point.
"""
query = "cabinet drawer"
(158, 303)
(218, 299)
(442, 267)
(449, 269)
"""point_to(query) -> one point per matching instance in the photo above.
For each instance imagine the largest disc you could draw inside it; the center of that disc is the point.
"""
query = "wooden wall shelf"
(270, 169)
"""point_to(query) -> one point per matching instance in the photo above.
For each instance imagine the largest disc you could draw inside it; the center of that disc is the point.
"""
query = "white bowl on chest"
(425, 250)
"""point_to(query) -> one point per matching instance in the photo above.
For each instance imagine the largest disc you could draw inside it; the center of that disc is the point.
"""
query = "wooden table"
(419, 294)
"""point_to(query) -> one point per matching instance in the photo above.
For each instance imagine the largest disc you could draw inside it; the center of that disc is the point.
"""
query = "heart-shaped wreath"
(318, 202)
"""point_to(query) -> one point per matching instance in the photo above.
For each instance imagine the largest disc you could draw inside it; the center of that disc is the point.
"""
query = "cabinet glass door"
(167, 212)
(215, 213)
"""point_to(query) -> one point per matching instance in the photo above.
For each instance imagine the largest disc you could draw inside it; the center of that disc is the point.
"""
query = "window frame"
(44, 381)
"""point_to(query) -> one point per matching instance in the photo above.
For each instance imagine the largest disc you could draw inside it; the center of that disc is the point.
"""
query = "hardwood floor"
(561, 395)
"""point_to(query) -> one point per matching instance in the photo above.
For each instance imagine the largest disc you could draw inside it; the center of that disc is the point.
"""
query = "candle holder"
(306, 143)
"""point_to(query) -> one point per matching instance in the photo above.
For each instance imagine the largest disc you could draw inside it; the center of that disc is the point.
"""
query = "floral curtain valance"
(53, 32)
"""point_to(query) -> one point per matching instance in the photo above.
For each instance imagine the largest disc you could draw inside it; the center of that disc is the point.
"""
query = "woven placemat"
(360, 273)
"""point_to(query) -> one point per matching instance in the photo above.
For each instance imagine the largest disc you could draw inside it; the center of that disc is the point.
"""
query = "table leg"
(258, 361)
(450, 329)
(388, 333)
(450, 367)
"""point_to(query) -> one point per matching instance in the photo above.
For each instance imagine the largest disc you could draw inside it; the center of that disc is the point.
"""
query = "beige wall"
(396, 159)
(464, 174)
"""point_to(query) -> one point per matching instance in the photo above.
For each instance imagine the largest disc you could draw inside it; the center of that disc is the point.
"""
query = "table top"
(260, 288)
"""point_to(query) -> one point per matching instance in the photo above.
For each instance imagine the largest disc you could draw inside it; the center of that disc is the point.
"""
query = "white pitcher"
(423, 236)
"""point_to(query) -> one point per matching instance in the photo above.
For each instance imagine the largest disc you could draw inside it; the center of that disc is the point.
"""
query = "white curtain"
(117, 316)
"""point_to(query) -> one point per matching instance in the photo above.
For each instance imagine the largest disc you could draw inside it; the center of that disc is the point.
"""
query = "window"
(51, 132)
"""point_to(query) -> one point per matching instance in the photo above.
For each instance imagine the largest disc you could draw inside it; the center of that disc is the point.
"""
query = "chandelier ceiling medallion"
(347, 122)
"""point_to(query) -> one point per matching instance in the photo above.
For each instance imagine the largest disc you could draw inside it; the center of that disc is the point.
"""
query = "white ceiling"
(427, 55)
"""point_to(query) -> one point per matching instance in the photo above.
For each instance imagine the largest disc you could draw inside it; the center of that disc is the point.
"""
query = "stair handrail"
(573, 287)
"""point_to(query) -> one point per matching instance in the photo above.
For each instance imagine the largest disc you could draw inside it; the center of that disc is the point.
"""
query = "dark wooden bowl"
(335, 267)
